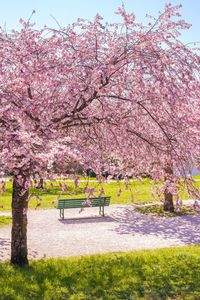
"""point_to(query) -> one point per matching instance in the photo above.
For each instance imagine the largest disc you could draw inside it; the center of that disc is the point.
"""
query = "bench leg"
(101, 210)
(62, 213)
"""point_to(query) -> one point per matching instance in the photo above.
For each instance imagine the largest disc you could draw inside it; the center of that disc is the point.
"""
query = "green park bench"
(100, 202)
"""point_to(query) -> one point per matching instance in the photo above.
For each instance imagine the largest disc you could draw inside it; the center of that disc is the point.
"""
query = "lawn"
(136, 192)
(141, 192)
(158, 211)
(171, 273)
(4, 220)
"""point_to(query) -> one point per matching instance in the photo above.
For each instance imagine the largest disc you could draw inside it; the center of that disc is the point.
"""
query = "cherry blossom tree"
(120, 97)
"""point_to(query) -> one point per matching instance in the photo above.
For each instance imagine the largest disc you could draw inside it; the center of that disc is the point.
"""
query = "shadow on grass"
(184, 228)
(84, 220)
(114, 276)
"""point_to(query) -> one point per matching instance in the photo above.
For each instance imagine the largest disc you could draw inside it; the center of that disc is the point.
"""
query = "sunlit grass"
(135, 192)
(140, 191)
(5, 220)
(171, 273)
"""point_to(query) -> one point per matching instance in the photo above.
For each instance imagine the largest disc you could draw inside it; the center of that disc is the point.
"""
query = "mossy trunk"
(168, 197)
(19, 250)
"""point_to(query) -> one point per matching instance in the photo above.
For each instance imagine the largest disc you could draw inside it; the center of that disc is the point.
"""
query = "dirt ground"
(122, 229)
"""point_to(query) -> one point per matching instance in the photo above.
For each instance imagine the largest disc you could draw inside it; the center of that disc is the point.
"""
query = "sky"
(67, 11)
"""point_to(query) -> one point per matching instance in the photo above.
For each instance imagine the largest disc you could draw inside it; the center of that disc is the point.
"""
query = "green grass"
(4, 220)
(171, 273)
(141, 192)
(158, 211)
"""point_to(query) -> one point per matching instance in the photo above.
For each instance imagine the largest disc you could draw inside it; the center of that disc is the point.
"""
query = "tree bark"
(168, 197)
(168, 201)
(40, 184)
(19, 250)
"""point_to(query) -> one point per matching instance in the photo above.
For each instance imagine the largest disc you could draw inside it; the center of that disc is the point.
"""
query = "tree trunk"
(40, 184)
(168, 197)
(19, 251)
(168, 202)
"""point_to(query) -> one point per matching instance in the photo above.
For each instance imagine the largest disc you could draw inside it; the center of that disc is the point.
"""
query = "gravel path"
(122, 229)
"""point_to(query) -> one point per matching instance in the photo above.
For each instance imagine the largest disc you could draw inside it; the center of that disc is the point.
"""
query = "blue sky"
(67, 11)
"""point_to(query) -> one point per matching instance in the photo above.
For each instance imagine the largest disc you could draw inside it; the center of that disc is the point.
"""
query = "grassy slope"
(141, 192)
(172, 273)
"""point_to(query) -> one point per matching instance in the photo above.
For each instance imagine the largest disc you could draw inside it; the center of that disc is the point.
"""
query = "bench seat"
(100, 202)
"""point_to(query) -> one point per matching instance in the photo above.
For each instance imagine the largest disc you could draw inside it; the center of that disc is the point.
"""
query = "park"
(100, 159)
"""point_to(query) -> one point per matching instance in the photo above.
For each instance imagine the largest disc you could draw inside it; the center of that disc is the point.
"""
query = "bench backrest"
(73, 203)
